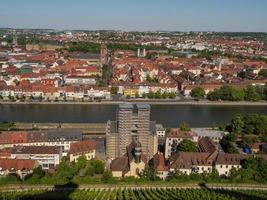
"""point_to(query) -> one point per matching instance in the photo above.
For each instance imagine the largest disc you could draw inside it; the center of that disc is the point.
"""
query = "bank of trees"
(197, 93)
(159, 95)
(231, 93)
(250, 128)
(85, 47)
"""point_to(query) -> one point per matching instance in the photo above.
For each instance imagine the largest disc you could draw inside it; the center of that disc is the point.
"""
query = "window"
(226, 166)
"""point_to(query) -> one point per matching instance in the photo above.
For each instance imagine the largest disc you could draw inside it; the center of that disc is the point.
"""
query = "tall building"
(133, 123)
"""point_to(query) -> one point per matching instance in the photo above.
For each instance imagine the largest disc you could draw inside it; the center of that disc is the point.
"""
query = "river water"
(168, 115)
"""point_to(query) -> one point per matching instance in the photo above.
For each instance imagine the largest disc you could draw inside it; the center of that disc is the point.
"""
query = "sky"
(138, 15)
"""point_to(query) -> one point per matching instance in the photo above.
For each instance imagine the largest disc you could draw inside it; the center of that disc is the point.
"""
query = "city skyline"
(192, 15)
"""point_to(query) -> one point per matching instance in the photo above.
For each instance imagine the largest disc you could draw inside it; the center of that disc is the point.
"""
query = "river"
(168, 115)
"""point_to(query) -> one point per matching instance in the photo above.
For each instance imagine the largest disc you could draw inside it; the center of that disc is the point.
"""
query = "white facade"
(46, 161)
(225, 169)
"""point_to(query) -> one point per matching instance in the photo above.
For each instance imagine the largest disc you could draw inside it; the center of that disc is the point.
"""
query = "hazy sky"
(178, 15)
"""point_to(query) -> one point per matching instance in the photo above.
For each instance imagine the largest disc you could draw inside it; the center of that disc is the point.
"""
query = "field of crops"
(131, 194)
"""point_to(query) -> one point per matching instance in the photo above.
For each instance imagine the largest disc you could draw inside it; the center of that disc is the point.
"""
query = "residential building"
(85, 148)
(225, 162)
(175, 137)
(215, 135)
(160, 165)
(19, 167)
(47, 157)
(192, 162)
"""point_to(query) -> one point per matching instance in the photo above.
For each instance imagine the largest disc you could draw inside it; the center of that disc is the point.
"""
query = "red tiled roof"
(17, 164)
(82, 146)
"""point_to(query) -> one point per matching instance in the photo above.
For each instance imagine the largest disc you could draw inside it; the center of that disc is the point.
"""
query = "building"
(192, 162)
(80, 80)
(160, 130)
(47, 157)
(225, 162)
(160, 165)
(19, 167)
(132, 163)
(205, 162)
(85, 148)
(132, 123)
(206, 144)
(55, 137)
(174, 138)
(215, 135)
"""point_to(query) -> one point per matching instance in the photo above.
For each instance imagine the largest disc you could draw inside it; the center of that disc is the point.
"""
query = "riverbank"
(150, 102)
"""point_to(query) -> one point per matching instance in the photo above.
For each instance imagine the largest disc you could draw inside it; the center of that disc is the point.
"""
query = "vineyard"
(140, 194)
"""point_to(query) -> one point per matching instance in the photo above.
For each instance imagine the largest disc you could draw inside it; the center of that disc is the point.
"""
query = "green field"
(131, 194)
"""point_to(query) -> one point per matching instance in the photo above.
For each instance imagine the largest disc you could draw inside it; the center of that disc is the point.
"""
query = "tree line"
(232, 93)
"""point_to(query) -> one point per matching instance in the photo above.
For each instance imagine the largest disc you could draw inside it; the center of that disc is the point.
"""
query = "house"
(174, 138)
(132, 163)
(160, 165)
(225, 162)
(19, 167)
(48, 157)
(215, 135)
(54, 137)
(192, 162)
(80, 80)
(85, 148)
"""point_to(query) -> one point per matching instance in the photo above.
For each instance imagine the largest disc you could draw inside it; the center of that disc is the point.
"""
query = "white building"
(174, 138)
(47, 157)
(160, 130)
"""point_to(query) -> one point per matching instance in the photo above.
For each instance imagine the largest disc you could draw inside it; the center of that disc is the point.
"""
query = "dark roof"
(185, 160)
(159, 162)
(36, 150)
(143, 106)
(230, 158)
(82, 55)
(207, 145)
(120, 164)
(65, 134)
(126, 106)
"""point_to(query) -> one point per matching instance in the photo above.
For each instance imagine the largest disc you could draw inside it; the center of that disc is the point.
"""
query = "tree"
(172, 95)
(197, 93)
(150, 174)
(136, 95)
(251, 94)
(227, 93)
(114, 90)
(187, 146)
(237, 124)
(184, 127)
(98, 166)
(107, 177)
(263, 72)
(157, 95)
(150, 95)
